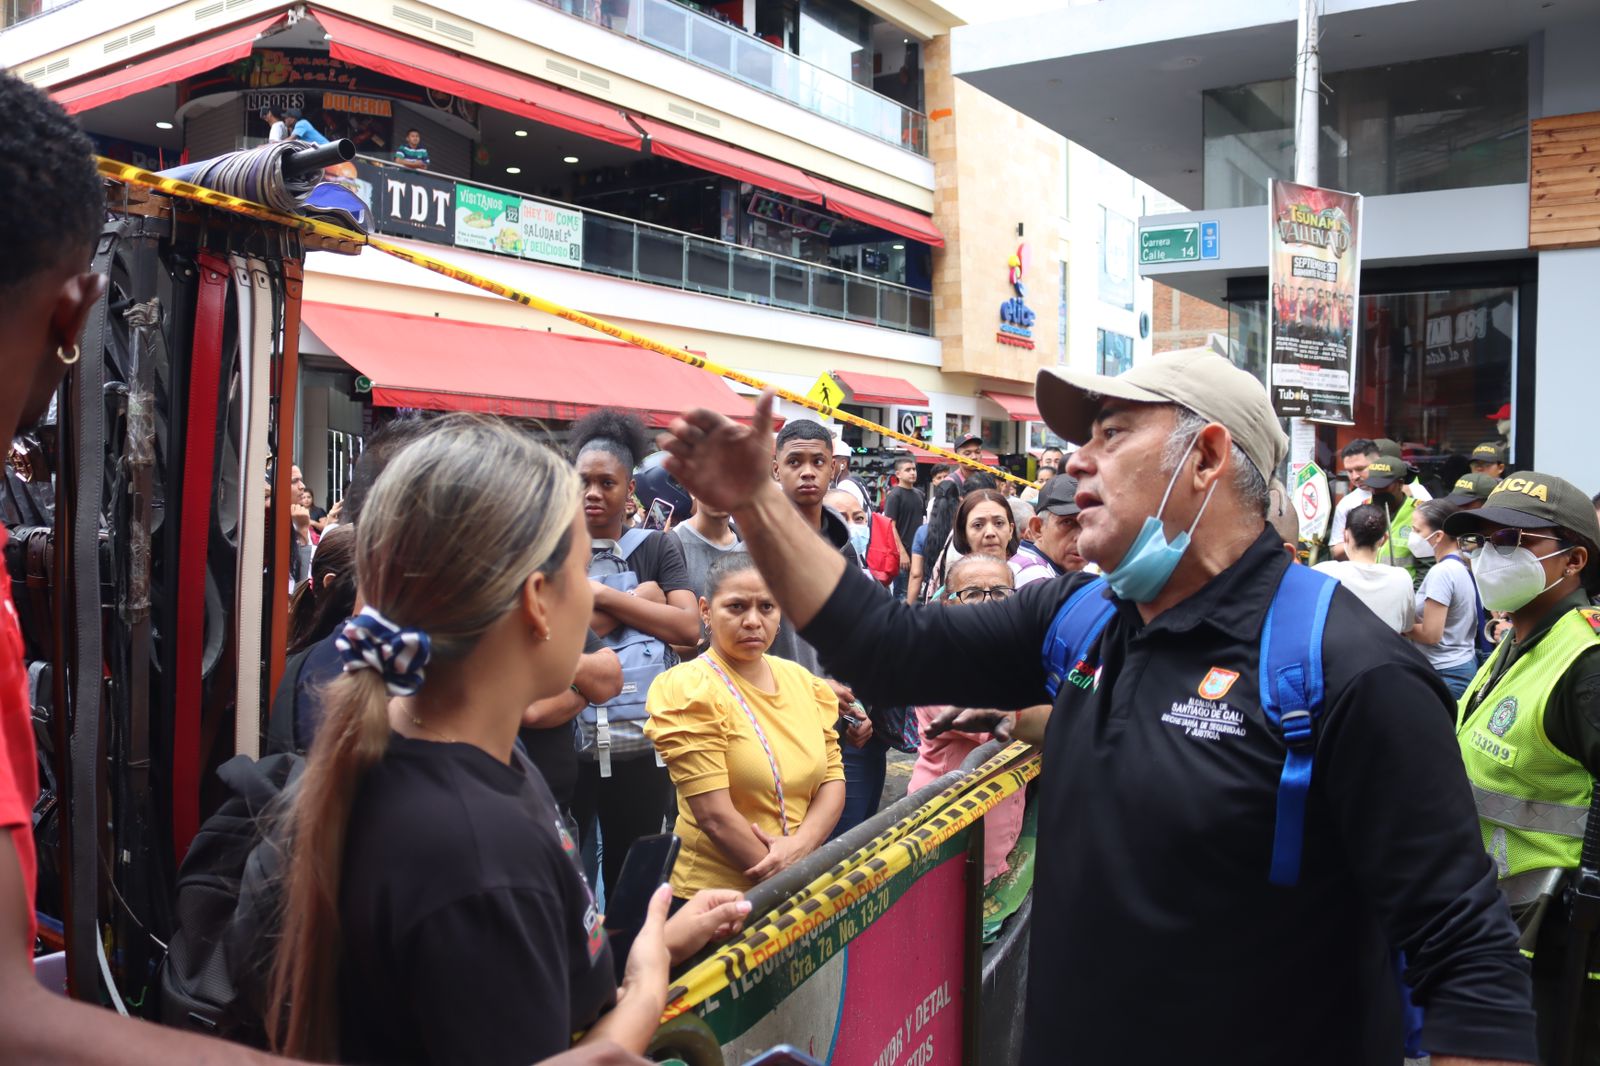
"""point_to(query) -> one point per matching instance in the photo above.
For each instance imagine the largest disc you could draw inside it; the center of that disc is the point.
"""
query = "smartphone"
(646, 868)
(783, 1055)
(660, 514)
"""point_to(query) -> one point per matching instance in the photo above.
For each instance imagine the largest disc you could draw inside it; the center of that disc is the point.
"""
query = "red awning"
(880, 390)
(722, 158)
(444, 365)
(168, 67)
(878, 212)
(1020, 408)
(412, 60)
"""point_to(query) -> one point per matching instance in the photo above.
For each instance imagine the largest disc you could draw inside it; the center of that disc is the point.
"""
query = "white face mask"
(1419, 545)
(1510, 582)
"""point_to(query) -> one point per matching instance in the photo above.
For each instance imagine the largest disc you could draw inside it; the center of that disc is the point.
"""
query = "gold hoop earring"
(61, 354)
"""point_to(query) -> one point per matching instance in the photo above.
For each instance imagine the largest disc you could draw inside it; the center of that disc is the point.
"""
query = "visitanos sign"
(1016, 317)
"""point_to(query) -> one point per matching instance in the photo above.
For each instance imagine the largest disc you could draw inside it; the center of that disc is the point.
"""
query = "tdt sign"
(410, 204)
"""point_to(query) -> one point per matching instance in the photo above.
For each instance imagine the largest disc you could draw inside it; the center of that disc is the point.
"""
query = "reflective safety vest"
(1533, 799)
(1397, 552)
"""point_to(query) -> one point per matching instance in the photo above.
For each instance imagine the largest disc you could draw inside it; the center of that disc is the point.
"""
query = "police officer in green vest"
(1386, 479)
(1529, 725)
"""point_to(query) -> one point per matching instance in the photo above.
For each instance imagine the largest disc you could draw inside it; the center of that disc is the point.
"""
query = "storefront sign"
(785, 213)
(487, 220)
(918, 424)
(552, 234)
(1016, 317)
(1315, 274)
(408, 203)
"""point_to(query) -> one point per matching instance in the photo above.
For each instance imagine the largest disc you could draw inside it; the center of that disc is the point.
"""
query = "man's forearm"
(554, 710)
(800, 567)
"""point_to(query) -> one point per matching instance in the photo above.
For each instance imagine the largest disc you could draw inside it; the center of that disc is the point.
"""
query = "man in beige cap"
(1161, 932)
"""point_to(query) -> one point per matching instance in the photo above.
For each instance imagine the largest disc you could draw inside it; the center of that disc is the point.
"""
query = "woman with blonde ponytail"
(434, 910)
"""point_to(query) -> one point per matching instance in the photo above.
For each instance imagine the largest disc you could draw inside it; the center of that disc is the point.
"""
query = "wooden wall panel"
(1564, 182)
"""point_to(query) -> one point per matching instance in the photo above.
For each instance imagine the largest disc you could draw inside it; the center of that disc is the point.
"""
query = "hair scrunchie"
(370, 641)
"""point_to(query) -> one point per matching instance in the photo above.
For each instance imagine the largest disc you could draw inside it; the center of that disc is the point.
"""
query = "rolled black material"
(309, 161)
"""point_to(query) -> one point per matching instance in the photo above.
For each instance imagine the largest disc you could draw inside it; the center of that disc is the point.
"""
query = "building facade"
(768, 182)
(1464, 123)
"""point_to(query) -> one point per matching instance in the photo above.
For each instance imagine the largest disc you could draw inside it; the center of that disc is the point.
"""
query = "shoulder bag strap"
(761, 736)
(1292, 700)
(1077, 625)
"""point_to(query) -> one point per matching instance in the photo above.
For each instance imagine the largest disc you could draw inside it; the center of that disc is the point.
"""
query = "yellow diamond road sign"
(827, 391)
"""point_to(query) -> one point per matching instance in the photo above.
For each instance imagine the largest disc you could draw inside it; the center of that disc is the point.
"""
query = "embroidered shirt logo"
(1503, 717)
(1205, 719)
(1593, 617)
(1084, 676)
(1217, 682)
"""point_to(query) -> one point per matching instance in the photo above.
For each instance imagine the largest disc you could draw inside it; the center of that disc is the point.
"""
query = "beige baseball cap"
(1198, 378)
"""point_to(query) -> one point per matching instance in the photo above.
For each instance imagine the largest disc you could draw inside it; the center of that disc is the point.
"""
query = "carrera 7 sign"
(1170, 244)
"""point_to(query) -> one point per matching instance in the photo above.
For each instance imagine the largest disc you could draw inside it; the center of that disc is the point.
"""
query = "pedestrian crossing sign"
(827, 391)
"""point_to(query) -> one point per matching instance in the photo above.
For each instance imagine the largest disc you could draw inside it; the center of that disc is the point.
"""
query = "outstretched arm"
(846, 616)
(730, 467)
(36, 1025)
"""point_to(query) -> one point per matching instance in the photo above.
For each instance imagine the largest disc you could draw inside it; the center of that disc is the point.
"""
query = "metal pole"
(1307, 98)
(1307, 105)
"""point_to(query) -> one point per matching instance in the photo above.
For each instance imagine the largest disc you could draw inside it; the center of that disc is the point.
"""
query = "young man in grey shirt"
(706, 536)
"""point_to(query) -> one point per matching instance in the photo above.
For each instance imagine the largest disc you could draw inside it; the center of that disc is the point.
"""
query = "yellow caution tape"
(996, 765)
(315, 227)
(784, 927)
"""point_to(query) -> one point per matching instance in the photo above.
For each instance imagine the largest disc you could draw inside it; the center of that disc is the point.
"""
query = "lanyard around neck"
(709, 658)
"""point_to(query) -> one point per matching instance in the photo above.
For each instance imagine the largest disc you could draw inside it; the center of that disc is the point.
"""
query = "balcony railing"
(640, 251)
(729, 50)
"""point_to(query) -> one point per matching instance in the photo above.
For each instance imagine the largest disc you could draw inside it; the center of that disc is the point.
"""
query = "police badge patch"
(1503, 717)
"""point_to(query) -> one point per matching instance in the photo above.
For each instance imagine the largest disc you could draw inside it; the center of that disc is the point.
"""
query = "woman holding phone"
(434, 910)
(749, 740)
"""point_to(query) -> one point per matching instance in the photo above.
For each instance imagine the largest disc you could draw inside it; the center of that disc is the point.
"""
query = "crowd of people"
(1268, 792)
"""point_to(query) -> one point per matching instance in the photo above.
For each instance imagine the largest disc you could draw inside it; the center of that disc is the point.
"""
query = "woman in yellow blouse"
(749, 740)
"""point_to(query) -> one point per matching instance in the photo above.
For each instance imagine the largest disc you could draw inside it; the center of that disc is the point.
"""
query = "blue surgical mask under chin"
(1150, 560)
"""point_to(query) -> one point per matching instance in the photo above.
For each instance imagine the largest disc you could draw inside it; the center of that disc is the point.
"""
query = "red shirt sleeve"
(19, 766)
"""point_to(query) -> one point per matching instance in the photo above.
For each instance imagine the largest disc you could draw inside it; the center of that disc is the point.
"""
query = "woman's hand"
(643, 994)
(713, 914)
(782, 853)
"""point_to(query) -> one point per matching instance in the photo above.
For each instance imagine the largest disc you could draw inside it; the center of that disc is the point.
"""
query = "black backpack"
(218, 968)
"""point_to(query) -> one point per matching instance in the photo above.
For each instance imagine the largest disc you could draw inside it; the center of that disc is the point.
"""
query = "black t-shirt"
(468, 932)
(905, 508)
(553, 750)
(660, 559)
(1155, 833)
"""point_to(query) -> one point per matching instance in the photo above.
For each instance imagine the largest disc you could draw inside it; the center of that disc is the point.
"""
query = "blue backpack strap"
(1073, 631)
(1291, 698)
(630, 541)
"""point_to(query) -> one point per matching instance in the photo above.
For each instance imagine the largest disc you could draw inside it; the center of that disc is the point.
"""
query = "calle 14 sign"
(1016, 317)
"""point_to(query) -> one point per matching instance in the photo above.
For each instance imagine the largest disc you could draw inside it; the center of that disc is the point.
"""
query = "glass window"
(1061, 317)
(1116, 259)
(1430, 368)
(835, 35)
(1447, 123)
(1115, 351)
